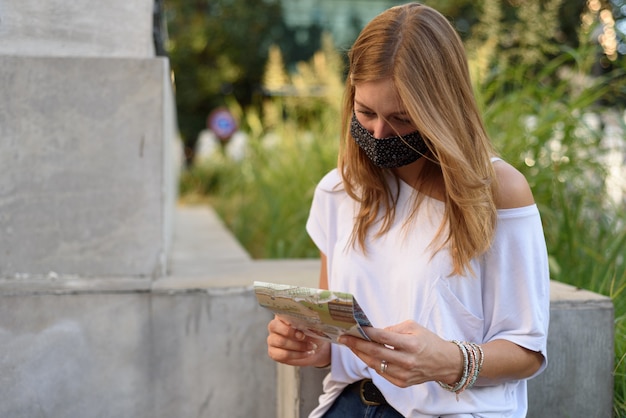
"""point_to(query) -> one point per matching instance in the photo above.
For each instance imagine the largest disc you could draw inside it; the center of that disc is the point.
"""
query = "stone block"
(87, 28)
(97, 352)
(73, 356)
(578, 382)
(89, 159)
(190, 345)
(213, 358)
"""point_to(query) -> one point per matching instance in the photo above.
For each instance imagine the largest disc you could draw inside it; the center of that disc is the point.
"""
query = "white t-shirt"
(400, 279)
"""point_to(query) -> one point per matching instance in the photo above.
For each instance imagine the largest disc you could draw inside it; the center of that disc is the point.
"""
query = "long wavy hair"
(417, 48)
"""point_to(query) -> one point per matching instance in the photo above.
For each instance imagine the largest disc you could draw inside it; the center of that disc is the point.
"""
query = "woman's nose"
(381, 129)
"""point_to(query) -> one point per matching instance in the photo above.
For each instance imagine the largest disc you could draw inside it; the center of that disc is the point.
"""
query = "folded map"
(319, 313)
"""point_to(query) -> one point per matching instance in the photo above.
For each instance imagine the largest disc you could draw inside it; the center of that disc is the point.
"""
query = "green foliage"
(546, 127)
(548, 121)
(265, 198)
(213, 45)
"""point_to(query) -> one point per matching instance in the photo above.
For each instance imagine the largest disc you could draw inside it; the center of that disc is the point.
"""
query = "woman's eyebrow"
(400, 113)
(361, 104)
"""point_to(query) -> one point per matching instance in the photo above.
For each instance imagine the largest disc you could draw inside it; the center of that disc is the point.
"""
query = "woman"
(439, 240)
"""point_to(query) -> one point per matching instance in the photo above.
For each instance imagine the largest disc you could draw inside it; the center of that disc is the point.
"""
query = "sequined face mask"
(391, 152)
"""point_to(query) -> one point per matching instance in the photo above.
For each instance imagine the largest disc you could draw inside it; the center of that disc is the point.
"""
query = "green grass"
(265, 198)
(540, 124)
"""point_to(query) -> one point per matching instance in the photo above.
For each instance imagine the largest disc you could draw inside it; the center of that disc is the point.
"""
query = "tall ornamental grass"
(550, 126)
(545, 119)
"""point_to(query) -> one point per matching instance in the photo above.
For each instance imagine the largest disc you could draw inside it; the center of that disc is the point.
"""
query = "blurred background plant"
(548, 74)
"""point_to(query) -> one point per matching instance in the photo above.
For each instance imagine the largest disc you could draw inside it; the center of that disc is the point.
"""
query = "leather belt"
(368, 392)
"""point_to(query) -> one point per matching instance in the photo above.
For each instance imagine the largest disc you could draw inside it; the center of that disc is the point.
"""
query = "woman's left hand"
(408, 354)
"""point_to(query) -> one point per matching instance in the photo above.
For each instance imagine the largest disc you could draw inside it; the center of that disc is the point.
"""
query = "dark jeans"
(349, 405)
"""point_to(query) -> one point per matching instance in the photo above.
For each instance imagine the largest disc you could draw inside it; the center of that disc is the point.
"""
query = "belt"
(368, 392)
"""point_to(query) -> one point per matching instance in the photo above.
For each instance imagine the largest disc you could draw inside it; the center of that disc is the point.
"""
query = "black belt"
(368, 392)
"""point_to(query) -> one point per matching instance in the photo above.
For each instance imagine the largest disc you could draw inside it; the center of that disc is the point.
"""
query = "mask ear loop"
(424, 140)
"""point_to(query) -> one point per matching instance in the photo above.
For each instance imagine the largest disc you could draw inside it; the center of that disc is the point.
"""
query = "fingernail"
(299, 335)
(312, 346)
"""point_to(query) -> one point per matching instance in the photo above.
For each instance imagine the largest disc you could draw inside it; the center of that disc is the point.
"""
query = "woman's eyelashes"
(399, 119)
(366, 113)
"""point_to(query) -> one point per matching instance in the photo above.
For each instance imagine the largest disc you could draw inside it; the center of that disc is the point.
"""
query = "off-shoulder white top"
(399, 278)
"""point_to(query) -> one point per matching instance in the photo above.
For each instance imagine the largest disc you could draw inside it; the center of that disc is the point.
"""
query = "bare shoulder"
(513, 190)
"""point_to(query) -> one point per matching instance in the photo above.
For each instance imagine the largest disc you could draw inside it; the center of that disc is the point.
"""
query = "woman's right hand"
(287, 345)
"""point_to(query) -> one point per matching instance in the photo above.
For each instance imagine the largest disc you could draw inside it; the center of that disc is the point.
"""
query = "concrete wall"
(134, 353)
(87, 28)
(89, 147)
(88, 156)
(579, 378)
(191, 344)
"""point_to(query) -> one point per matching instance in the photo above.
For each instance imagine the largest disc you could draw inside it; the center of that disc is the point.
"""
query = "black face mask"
(391, 152)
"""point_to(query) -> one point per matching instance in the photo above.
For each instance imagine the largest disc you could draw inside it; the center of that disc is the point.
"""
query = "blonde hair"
(418, 49)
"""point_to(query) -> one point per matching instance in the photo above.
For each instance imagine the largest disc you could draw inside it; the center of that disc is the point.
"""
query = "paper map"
(318, 313)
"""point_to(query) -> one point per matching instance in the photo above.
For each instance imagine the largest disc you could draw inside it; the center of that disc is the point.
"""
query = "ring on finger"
(383, 366)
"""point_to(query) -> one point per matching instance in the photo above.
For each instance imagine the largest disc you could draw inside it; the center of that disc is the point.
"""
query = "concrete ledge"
(71, 286)
(188, 345)
(135, 354)
(194, 344)
(579, 378)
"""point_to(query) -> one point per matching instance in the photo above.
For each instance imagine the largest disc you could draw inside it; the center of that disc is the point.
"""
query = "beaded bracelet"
(472, 364)
(473, 357)
(479, 350)
(458, 385)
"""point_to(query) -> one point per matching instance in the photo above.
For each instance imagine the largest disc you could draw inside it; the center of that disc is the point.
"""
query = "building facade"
(342, 18)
